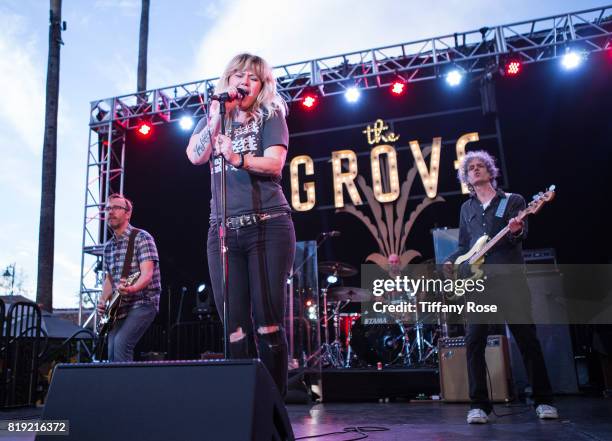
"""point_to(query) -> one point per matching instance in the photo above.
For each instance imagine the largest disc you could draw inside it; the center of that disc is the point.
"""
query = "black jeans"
(512, 294)
(260, 258)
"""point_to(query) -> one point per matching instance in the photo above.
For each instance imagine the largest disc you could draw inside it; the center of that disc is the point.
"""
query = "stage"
(581, 418)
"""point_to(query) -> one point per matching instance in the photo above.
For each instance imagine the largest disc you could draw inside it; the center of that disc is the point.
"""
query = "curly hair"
(489, 162)
(268, 102)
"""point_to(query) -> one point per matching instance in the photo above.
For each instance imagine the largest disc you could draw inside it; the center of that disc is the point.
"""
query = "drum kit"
(356, 337)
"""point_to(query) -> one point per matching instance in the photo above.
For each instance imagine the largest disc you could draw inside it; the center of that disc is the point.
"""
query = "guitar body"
(108, 319)
(468, 269)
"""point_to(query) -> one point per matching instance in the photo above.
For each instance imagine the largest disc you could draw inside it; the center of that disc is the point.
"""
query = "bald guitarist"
(488, 211)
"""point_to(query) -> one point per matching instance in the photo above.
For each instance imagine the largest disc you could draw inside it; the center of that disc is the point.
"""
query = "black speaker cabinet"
(175, 400)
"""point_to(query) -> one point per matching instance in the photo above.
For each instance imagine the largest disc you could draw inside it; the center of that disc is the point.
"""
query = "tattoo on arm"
(202, 142)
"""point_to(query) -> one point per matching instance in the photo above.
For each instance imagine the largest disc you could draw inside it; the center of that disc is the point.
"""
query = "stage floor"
(582, 418)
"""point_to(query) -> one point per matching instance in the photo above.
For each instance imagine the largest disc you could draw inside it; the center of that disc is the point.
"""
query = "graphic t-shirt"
(249, 192)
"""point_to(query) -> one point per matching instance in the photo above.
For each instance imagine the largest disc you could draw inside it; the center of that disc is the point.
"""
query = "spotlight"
(571, 60)
(332, 278)
(145, 129)
(309, 101)
(203, 301)
(398, 87)
(513, 67)
(352, 94)
(312, 312)
(186, 122)
(454, 77)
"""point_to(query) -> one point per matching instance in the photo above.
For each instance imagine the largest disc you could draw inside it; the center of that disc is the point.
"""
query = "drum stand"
(330, 353)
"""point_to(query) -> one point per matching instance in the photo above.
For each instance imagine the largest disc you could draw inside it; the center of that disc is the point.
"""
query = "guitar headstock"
(540, 199)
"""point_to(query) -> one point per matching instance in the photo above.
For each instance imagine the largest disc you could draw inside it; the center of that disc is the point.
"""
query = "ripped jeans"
(260, 259)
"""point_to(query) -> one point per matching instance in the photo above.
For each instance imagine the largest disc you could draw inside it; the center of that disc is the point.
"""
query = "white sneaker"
(547, 412)
(477, 416)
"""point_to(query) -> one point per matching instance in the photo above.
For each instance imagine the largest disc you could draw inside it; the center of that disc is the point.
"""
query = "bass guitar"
(468, 265)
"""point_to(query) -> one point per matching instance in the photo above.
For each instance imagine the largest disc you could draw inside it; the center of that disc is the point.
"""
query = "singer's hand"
(223, 146)
(234, 95)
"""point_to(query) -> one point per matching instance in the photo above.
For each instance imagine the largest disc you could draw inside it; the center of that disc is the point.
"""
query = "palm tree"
(46, 232)
(142, 46)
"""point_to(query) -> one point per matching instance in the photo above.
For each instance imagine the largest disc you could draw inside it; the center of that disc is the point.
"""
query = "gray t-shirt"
(248, 192)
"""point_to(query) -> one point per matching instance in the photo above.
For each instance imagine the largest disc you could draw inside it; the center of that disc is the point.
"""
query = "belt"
(245, 220)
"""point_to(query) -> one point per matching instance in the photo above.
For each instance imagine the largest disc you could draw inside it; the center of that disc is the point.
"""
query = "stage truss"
(475, 52)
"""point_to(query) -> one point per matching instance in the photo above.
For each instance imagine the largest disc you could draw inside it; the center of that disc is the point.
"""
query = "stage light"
(454, 77)
(145, 128)
(571, 60)
(186, 122)
(201, 288)
(513, 67)
(332, 278)
(309, 101)
(352, 94)
(312, 312)
(398, 87)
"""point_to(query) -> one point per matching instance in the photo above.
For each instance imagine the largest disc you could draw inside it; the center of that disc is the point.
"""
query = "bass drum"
(377, 339)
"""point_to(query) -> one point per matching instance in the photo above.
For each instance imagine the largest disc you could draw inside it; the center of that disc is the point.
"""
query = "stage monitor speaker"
(174, 400)
(453, 369)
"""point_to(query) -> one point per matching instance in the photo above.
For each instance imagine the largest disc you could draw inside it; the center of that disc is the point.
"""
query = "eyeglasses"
(115, 207)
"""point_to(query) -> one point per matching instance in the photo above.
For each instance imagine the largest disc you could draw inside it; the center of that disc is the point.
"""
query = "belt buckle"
(230, 223)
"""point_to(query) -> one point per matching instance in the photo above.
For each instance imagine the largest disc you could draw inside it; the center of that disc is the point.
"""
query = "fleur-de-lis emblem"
(389, 230)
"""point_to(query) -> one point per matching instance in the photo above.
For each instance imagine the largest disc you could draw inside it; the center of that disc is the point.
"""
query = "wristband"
(241, 163)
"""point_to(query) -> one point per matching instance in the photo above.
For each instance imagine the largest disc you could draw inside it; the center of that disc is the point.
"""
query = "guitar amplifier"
(454, 385)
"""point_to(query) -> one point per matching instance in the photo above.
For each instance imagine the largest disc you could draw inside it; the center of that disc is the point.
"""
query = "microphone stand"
(222, 238)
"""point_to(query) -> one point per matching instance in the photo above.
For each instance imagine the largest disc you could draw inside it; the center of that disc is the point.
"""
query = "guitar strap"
(127, 263)
(499, 214)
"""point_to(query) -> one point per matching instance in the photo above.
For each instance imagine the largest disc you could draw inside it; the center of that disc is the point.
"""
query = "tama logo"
(375, 321)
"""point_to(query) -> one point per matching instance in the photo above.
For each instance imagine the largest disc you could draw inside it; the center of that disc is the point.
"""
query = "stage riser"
(353, 385)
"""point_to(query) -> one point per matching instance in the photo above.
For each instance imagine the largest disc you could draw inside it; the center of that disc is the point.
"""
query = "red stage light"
(398, 87)
(513, 67)
(309, 101)
(145, 129)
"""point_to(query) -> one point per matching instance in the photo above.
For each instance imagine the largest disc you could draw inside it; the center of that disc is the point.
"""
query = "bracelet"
(241, 163)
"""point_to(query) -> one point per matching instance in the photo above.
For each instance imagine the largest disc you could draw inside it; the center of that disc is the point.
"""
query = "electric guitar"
(468, 265)
(106, 322)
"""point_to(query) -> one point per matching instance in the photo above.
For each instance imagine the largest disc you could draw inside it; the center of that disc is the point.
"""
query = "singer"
(260, 234)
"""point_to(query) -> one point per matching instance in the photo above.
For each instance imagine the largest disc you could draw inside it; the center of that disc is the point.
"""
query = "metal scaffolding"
(105, 175)
(474, 52)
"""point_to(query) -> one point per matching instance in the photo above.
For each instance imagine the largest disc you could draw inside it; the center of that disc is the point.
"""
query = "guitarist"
(139, 301)
(487, 211)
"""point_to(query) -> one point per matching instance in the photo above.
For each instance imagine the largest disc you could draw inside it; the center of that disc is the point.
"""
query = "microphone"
(333, 233)
(226, 97)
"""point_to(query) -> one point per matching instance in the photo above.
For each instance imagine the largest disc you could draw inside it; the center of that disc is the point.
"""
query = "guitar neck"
(490, 244)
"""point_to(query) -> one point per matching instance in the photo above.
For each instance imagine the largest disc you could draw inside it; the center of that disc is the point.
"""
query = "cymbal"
(339, 268)
(354, 294)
